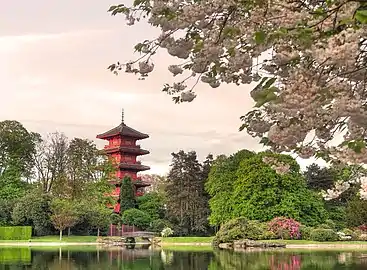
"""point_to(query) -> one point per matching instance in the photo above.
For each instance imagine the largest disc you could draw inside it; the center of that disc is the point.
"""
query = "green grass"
(67, 239)
(186, 239)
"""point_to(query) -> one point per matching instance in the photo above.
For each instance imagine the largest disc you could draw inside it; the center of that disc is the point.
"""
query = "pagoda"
(123, 151)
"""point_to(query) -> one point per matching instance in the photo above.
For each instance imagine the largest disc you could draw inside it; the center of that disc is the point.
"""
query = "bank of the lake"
(180, 243)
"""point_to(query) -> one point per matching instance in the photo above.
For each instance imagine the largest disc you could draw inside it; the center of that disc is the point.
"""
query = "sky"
(53, 77)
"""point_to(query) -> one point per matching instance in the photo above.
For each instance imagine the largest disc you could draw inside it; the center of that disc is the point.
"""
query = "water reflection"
(144, 259)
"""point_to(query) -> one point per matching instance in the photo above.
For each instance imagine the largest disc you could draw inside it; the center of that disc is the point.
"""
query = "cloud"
(59, 81)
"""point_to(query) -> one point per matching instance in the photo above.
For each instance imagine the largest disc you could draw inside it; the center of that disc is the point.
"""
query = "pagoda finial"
(122, 116)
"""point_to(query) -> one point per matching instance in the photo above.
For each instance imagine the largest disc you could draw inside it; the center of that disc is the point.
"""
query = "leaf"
(361, 16)
(112, 8)
(260, 37)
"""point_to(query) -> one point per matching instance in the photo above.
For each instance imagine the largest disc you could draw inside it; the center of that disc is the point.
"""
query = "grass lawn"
(74, 239)
(187, 239)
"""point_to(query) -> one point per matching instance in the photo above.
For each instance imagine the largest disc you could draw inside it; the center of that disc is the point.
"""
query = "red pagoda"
(123, 150)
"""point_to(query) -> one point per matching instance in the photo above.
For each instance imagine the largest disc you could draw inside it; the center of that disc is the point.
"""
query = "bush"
(348, 232)
(305, 232)
(285, 228)
(236, 229)
(136, 217)
(16, 233)
(323, 235)
(159, 224)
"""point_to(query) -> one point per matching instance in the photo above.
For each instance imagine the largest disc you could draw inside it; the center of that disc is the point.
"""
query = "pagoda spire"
(122, 116)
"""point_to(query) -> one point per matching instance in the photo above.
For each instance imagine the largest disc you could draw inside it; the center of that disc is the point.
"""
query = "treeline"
(51, 183)
(55, 183)
(198, 198)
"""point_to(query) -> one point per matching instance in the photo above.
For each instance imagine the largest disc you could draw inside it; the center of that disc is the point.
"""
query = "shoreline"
(168, 244)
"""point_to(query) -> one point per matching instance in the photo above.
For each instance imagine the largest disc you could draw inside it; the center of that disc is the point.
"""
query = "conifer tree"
(127, 194)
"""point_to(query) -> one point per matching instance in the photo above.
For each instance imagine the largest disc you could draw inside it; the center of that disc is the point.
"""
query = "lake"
(78, 258)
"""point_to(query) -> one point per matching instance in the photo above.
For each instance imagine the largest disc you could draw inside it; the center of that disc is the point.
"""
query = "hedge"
(16, 233)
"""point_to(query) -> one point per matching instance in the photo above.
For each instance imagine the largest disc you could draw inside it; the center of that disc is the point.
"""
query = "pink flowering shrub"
(285, 228)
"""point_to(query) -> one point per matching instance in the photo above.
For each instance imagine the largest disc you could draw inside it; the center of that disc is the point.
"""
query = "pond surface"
(144, 259)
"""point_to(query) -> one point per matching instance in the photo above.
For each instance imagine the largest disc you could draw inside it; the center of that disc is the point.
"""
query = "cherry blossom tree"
(308, 57)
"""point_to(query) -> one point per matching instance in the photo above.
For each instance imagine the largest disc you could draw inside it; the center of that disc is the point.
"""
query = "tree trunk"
(98, 232)
(60, 235)
(69, 232)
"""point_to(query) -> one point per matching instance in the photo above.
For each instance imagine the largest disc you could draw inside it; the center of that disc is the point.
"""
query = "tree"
(127, 195)
(219, 185)
(153, 204)
(261, 193)
(136, 217)
(187, 203)
(99, 217)
(17, 147)
(63, 215)
(82, 166)
(33, 209)
(50, 162)
(310, 82)
(319, 178)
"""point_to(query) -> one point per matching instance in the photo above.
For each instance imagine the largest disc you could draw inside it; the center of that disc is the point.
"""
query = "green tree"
(136, 217)
(64, 215)
(127, 194)
(153, 204)
(17, 147)
(33, 209)
(99, 217)
(261, 193)
(220, 185)
(319, 178)
(187, 203)
(356, 212)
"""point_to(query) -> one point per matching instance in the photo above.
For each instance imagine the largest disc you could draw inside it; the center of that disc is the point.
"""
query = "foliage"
(285, 228)
(34, 210)
(17, 147)
(236, 229)
(6, 208)
(158, 225)
(323, 235)
(260, 193)
(310, 82)
(319, 178)
(219, 185)
(153, 204)
(16, 233)
(356, 212)
(305, 232)
(127, 195)
(186, 199)
(166, 232)
(63, 215)
(136, 217)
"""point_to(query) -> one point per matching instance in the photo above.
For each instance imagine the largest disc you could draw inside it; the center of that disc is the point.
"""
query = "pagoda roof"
(126, 149)
(123, 130)
(133, 166)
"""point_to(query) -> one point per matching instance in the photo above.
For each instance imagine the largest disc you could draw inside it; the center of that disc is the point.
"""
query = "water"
(144, 259)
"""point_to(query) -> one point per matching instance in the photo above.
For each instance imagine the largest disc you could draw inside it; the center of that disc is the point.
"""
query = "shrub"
(236, 229)
(285, 228)
(159, 224)
(167, 232)
(305, 232)
(329, 224)
(323, 235)
(136, 217)
(16, 233)
(348, 232)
